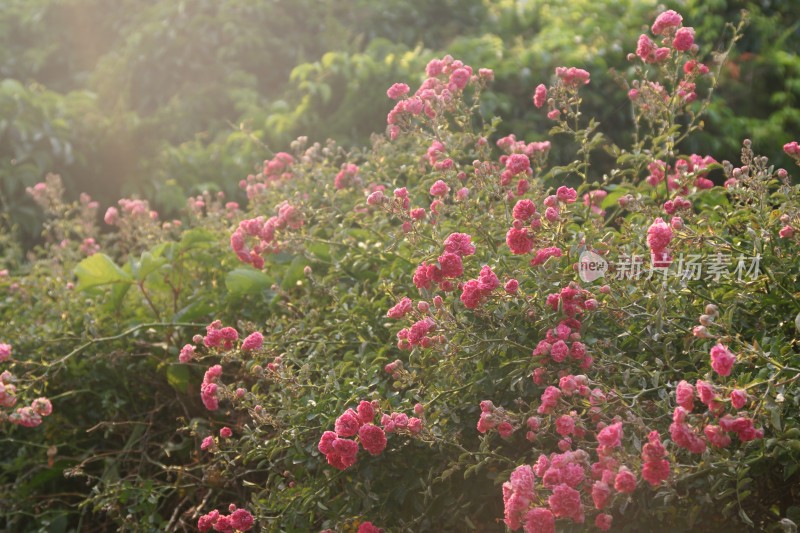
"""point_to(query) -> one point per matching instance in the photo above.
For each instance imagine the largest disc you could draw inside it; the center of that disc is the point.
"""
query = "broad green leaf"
(99, 269)
(196, 238)
(294, 273)
(194, 311)
(178, 377)
(243, 281)
(148, 263)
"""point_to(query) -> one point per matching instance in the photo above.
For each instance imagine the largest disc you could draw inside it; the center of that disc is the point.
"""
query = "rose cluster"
(237, 520)
(341, 451)
(265, 233)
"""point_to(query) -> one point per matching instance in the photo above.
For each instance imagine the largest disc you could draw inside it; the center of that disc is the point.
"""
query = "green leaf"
(193, 311)
(99, 269)
(243, 281)
(178, 377)
(612, 198)
(294, 273)
(197, 238)
(148, 263)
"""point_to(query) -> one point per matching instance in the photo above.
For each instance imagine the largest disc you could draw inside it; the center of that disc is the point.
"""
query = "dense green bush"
(175, 84)
(438, 281)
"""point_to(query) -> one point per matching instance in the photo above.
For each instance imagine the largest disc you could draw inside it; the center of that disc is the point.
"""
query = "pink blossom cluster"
(209, 390)
(540, 95)
(572, 300)
(572, 76)
(534, 150)
(368, 527)
(252, 342)
(375, 194)
(346, 177)
(649, 96)
(401, 423)
(89, 247)
(218, 336)
(515, 165)
(562, 475)
(5, 352)
(594, 199)
(519, 238)
(668, 25)
(561, 485)
(718, 435)
(278, 168)
(264, 231)
(569, 80)
(562, 343)
(401, 308)
(418, 335)
(208, 204)
(341, 451)
(435, 151)
(792, 149)
(135, 209)
(676, 204)
(492, 417)
(400, 205)
(695, 167)
(395, 368)
(8, 391)
(29, 416)
(544, 254)
(722, 360)
(208, 443)
(447, 78)
(655, 466)
(659, 236)
(42, 195)
(448, 266)
(475, 291)
(187, 353)
(238, 520)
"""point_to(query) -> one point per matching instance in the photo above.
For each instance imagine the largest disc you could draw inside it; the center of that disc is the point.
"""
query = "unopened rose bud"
(706, 320)
(712, 310)
(307, 271)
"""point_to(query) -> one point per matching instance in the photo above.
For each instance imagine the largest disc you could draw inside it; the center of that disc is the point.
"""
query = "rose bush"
(444, 331)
